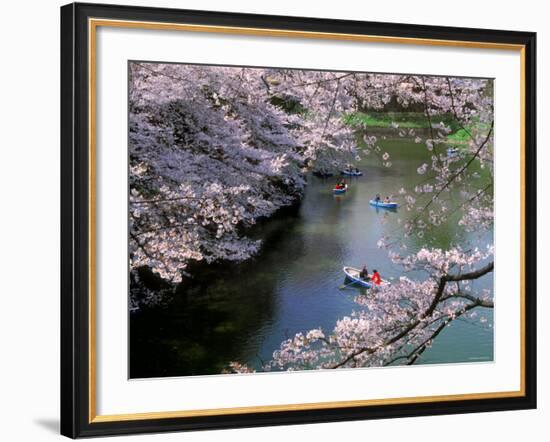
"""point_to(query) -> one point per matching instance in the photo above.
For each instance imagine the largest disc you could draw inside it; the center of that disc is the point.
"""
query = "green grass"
(406, 120)
(412, 120)
(461, 135)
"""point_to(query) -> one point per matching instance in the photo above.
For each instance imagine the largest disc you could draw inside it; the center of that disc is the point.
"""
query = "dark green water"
(242, 313)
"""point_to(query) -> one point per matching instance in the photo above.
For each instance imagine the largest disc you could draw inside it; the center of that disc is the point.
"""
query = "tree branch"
(437, 298)
(460, 277)
(462, 169)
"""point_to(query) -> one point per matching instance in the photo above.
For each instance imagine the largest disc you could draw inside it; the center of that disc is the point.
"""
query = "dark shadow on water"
(216, 317)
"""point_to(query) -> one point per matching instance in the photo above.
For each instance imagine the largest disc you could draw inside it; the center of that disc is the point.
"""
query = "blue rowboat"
(353, 275)
(351, 173)
(340, 191)
(452, 152)
(383, 204)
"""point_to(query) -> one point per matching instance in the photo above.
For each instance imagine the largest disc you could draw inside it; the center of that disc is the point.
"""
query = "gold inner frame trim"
(297, 407)
(93, 24)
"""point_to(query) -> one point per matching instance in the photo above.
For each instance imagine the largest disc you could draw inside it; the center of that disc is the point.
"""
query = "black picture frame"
(75, 220)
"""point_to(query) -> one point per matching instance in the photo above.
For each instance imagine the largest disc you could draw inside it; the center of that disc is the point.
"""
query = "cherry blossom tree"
(210, 154)
(215, 149)
(398, 323)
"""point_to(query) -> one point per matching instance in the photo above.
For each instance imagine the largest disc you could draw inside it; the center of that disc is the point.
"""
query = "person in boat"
(377, 199)
(387, 200)
(376, 278)
(341, 184)
(364, 273)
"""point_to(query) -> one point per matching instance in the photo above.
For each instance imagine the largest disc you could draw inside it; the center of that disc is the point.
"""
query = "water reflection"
(243, 312)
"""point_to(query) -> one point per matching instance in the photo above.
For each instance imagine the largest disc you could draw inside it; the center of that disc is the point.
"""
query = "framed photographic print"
(275, 220)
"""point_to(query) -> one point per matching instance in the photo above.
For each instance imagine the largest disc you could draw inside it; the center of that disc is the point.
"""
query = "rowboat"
(353, 275)
(452, 152)
(340, 191)
(383, 204)
(348, 172)
(322, 174)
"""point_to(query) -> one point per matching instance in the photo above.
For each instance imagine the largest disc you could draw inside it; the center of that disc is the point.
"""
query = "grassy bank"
(411, 120)
(406, 120)
(461, 135)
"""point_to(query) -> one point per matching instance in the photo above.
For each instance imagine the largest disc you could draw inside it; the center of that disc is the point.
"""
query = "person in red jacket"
(376, 277)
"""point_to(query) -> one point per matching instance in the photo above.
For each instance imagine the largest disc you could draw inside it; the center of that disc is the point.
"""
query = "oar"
(342, 287)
